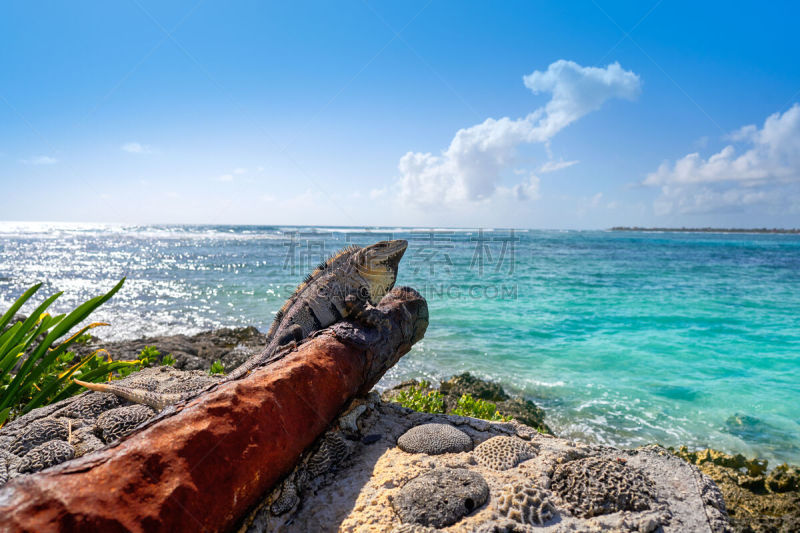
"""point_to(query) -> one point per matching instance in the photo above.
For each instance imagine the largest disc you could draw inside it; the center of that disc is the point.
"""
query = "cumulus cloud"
(40, 160)
(761, 166)
(137, 148)
(471, 168)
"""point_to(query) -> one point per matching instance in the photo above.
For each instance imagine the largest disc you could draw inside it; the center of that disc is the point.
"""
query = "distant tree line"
(709, 230)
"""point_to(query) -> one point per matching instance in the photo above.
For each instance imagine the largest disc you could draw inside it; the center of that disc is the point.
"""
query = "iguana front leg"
(363, 311)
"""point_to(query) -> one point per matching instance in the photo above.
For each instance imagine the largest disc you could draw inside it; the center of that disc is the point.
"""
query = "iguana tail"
(155, 400)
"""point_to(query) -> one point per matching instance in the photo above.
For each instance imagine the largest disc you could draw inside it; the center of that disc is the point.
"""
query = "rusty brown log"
(204, 464)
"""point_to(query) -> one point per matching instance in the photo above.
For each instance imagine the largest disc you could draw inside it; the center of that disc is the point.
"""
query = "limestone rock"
(90, 405)
(115, 423)
(38, 432)
(477, 388)
(596, 486)
(367, 489)
(526, 504)
(434, 439)
(441, 497)
(502, 453)
(414, 528)
(232, 346)
(48, 454)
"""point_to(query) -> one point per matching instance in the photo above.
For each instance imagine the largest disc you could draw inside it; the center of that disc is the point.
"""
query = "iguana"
(348, 284)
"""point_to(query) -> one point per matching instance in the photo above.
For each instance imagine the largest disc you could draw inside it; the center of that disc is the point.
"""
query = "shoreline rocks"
(375, 485)
(520, 409)
(231, 346)
(757, 499)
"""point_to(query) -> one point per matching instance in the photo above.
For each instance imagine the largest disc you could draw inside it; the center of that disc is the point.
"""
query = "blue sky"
(415, 113)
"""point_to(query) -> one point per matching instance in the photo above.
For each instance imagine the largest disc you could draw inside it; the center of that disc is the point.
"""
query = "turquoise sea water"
(624, 338)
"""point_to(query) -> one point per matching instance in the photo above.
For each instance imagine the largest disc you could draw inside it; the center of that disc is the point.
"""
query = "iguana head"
(377, 264)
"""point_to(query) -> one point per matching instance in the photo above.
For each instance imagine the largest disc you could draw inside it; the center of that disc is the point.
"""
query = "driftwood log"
(202, 464)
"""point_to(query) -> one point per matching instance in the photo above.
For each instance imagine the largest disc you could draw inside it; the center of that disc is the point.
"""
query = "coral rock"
(525, 504)
(46, 455)
(90, 405)
(115, 423)
(502, 453)
(441, 497)
(37, 433)
(596, 486)
(434, 439)
(332, 451)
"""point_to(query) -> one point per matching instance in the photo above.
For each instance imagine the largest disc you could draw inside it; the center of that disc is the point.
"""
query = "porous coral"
(525, 503)
(434, 439)
(441, 497)
(332, 450)
(598, 485)
(37, 433)
(115, 423)
(189, 385)
(502, 453)
(413, 528)
(90, 405)
(45, 455)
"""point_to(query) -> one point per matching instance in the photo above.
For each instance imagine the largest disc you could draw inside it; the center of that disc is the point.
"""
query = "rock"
(363, 494)
(89, 406)
(332, 450)
(414, 528)
(754, 467)
(526, 504)
(371, 439)
(477, 388)
(596, 486)
(38, 432)
(434, 439)
(349, 421)
(441, 497)
(44, 455)
(522, 410)
(116, 423)
(756, 502)
(783, 478)
(502, 453)
(232, 346)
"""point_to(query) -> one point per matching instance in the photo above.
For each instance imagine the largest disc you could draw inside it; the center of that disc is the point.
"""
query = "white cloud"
(229, 176)
(40, 160)
(471, 168)
(765, 170)
(552, 166)
(137, 148)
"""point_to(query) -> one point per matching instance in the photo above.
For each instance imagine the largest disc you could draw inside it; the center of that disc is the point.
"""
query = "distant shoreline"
(709, 230)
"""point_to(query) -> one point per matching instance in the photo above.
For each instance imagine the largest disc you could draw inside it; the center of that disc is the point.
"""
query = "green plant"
(148, 355)
(41, 344)
(217, 368)
(478, 408)
(419, 398)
